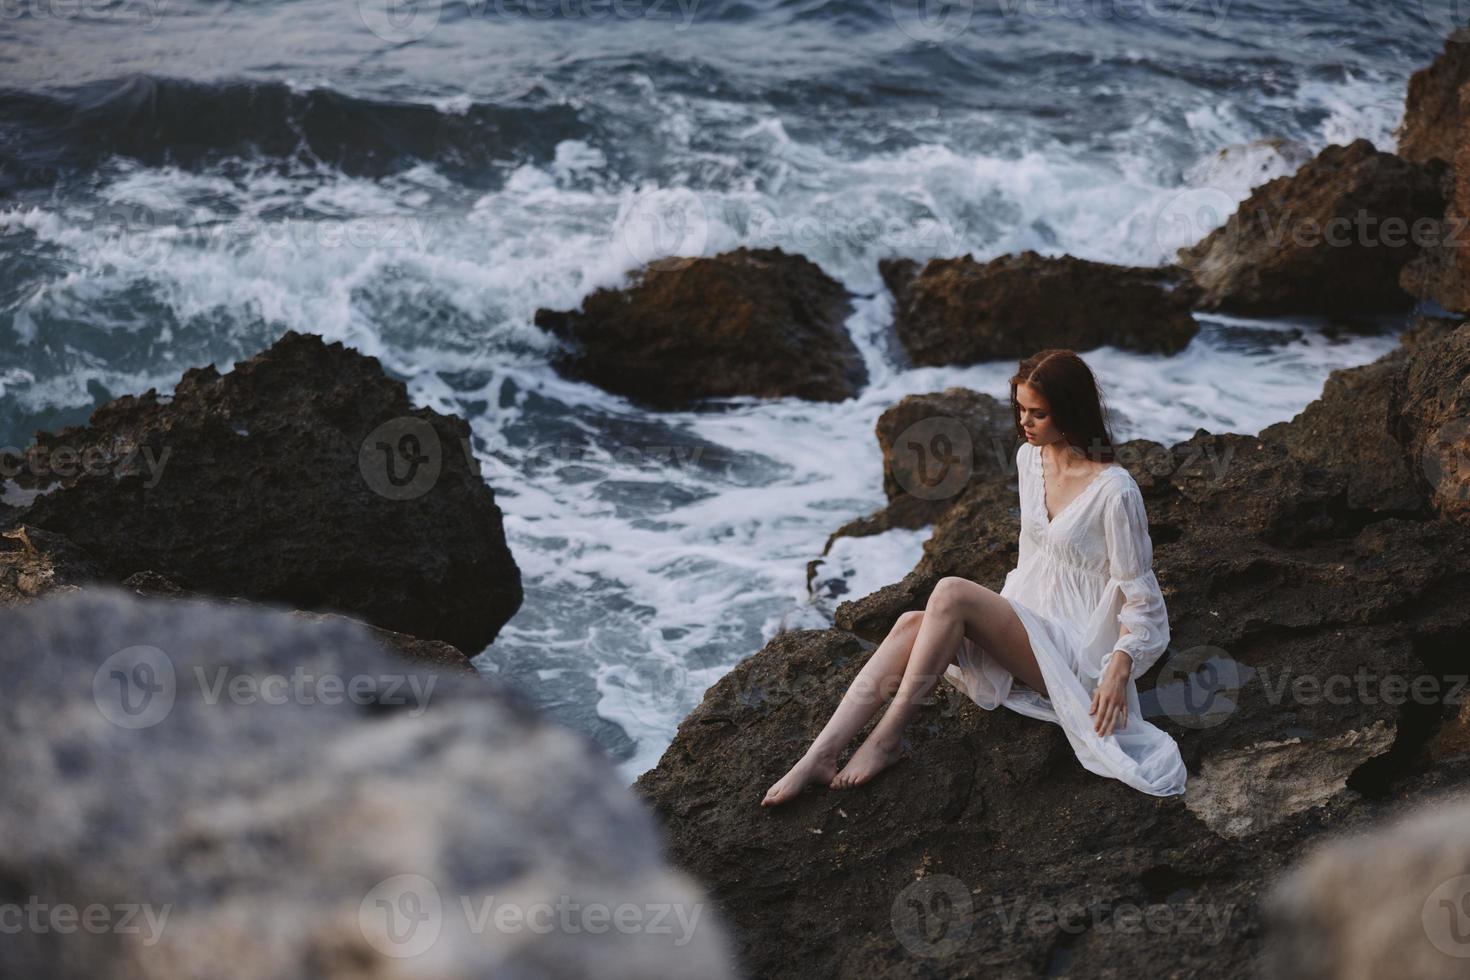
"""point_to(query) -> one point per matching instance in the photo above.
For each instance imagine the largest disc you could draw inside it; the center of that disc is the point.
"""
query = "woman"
(1077, 622)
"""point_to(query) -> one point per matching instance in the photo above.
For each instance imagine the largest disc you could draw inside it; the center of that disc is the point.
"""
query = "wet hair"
(1076, 402)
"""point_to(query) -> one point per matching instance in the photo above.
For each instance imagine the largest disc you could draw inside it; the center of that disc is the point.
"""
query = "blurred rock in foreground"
(268, 798)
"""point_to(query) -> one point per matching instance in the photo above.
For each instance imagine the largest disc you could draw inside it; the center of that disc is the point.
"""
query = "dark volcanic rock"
(934, 445)
(755, 322)
(1434, 129)
(283, 800)
(274, 483)
(1317, 241)
(1396, 430)
(959, 311)
(1308, 592)
(1433, 110)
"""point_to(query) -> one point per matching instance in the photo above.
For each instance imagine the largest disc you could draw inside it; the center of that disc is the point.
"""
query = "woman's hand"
(1110, 699)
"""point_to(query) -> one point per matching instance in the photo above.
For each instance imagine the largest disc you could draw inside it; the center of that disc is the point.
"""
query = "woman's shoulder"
(1123, 483)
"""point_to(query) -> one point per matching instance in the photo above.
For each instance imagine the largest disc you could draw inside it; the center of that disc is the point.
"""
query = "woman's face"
(1036, 417)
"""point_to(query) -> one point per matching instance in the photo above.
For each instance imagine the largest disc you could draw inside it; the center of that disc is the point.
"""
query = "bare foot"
(813, 768)
(869, 760)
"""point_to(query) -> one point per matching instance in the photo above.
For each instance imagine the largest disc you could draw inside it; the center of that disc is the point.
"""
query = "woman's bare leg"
(865, 695)
(957, 607)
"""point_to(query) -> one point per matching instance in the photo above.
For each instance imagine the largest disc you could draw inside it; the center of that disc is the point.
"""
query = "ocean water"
(183, 180)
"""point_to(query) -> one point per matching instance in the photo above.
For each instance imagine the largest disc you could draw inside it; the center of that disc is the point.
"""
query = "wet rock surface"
(303, 477)
(759, 322)
(960, 311)
(1330, 239)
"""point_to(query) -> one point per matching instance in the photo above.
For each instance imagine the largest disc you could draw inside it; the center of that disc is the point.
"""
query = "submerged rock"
(1331, 238)
(757, 322)
(959, 311)
(266, 798)
(303, 477)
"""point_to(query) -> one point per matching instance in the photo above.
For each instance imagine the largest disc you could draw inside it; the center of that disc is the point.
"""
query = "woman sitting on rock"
(1077, 622)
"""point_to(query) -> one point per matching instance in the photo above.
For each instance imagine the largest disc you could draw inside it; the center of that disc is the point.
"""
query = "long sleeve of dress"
(1130, 565)
(1023, 474)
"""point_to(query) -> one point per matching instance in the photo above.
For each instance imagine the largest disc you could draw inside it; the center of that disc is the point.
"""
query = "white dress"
(1078, 576)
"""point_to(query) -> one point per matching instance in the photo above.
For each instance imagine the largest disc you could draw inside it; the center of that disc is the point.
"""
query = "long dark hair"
(1070, 388)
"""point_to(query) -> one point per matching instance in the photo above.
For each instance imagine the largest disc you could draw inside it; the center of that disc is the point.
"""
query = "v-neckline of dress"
(1048, 520)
